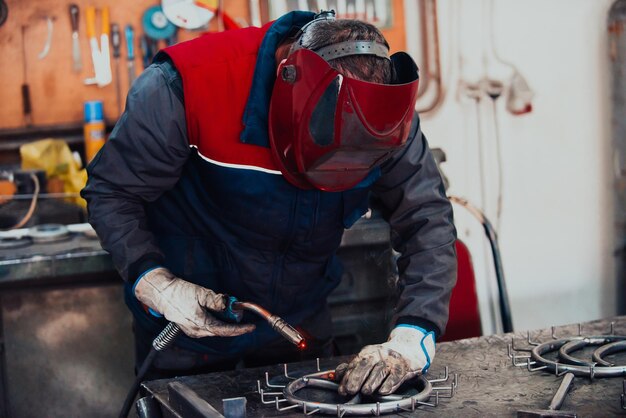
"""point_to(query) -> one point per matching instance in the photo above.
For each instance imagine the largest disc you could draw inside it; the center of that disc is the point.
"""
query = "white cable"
(492, 38)
(500, 167)
(486, 260)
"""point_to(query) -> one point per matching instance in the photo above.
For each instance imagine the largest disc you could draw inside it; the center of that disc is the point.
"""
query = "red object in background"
(229, 22)
(464, 319)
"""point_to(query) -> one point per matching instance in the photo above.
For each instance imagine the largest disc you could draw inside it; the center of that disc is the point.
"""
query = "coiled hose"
(160, 343)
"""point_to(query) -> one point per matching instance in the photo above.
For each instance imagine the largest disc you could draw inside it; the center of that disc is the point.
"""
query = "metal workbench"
(62, 320)
(488, 383)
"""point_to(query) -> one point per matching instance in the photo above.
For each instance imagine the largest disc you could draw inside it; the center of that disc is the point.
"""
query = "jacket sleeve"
(415, 204)
(143, 157)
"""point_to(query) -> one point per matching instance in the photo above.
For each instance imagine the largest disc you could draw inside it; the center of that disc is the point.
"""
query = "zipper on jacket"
(278, 261)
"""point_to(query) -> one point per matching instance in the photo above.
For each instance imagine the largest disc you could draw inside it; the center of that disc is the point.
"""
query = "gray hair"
(363, 67)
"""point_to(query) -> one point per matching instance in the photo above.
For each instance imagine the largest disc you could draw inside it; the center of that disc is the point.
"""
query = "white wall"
(556, 233)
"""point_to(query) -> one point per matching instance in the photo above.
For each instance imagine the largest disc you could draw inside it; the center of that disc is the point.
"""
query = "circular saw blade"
(187, 14)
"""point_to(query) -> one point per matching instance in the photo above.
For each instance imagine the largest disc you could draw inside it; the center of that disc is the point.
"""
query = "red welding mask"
(327, 130)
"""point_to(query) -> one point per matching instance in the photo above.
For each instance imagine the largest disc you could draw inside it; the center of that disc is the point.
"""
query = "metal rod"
(531, 342)
(286, 374)
(443, 379)
(268, 384)
(559, 396)
(28, 196)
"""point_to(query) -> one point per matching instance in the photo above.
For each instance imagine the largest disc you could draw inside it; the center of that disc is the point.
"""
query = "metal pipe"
(430, 15)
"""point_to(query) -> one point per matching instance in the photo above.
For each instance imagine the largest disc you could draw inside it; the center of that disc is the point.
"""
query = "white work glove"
(384, 367)
(186, 304)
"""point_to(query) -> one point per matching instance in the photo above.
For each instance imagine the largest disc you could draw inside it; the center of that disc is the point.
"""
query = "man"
(237, 164)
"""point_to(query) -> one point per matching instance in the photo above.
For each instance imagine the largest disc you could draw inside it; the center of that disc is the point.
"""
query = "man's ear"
(282, 52)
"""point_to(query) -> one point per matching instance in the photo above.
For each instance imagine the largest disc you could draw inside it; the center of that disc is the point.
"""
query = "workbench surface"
(488, 383)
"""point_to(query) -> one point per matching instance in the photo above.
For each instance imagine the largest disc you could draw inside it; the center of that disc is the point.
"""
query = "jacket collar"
(256, 114)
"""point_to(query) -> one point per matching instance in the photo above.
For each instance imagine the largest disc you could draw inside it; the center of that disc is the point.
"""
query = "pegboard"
(57, 92)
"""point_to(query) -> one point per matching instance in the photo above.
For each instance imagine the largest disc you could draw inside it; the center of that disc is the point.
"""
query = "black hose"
(145, 366)
(505, 307)
(161, 342)
(490, 232)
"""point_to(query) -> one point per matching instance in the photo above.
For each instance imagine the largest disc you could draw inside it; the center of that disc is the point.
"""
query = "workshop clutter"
(63, 169)
(68, 52)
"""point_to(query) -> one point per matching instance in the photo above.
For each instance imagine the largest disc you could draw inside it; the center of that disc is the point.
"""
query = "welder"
(237, 164)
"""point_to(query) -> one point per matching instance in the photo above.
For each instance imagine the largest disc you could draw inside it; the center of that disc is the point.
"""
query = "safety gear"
(337, 50)
(384, 367)
(186, 304)
(328, 130)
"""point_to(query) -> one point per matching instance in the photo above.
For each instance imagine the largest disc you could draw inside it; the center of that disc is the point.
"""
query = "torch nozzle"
(276, 322)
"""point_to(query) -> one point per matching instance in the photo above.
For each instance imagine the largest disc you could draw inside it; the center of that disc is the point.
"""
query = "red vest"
(217, 71)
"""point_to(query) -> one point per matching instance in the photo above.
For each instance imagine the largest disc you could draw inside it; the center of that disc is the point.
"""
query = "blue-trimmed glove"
(384, 367)
(190, 306)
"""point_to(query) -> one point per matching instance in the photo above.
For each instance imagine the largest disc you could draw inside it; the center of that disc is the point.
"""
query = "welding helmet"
(328, 130)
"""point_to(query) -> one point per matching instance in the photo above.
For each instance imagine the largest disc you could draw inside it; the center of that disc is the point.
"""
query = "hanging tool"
(115, 43)
(46, 48)
(149, 48)
(233, 312)
(155, 24)
(255, 12)
(99, 51)
(77, 63)
(130, 53)
(26, 104)
(189, 14)
(555, 406)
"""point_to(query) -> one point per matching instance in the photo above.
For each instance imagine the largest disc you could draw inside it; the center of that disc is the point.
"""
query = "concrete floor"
(68, 352)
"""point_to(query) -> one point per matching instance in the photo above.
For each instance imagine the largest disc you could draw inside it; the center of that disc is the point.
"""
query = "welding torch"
(234, 310)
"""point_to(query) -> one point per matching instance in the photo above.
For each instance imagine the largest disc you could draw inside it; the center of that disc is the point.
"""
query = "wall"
(556, 232)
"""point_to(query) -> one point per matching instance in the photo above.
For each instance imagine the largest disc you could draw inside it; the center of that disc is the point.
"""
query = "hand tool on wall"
(99, 51)
(77, 64)
(155, 24)
(149, 47)
(555, 406)
(255, 13)
(26, 104)
(46, 48)
(130, 53)
(115, 43)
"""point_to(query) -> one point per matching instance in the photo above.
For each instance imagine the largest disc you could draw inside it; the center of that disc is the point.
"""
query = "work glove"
(186, 304)
(384, 367)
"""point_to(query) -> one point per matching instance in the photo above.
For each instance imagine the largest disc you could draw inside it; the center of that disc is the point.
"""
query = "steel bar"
(348, 408)
(188, 403)
(538, 356)
(574, 345)
(614, 347)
